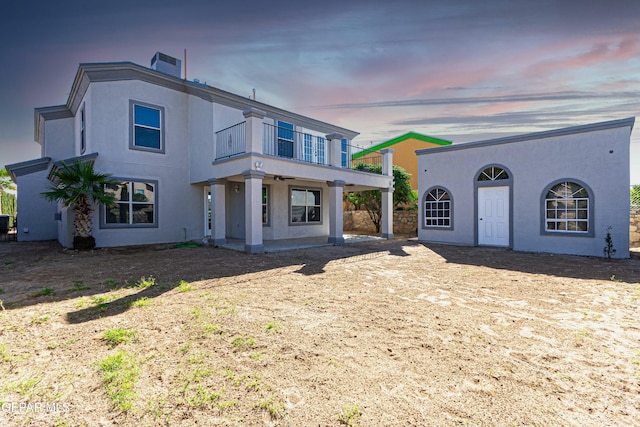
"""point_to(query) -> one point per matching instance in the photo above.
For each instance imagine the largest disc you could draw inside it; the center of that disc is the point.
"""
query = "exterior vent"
(166, 64)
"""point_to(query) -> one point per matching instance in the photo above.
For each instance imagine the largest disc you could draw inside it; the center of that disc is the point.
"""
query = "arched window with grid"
(438, 208)
(567, 208)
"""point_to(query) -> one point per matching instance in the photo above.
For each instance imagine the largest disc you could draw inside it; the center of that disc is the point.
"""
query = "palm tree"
(78, 186)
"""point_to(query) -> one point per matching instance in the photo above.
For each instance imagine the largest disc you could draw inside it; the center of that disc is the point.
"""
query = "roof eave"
(612, 124)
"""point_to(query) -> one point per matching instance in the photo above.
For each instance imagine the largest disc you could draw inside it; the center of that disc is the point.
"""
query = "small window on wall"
(438, 208)
(265, 206)
(135, 205)
(567, 207)
(146, 127)
(306, 206)
(83, 131)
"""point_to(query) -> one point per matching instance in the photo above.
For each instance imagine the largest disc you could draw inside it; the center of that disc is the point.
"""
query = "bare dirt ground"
(387, 333)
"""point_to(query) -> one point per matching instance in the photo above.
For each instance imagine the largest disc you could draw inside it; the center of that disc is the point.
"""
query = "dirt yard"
(387, 333)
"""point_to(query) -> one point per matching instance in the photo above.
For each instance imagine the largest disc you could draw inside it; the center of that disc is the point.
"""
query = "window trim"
(303, 188)
(424, 210)
(564, 233)
(132, 126)
(103, 209)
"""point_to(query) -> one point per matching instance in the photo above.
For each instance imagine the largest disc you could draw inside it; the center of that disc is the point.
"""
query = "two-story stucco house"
(194, 162)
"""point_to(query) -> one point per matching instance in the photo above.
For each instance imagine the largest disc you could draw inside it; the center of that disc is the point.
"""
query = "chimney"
(166, 64)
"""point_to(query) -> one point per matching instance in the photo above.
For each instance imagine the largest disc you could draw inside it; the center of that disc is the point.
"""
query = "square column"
(335, 212)
(387, 213)
(218, 212)
(253, 211)
(387, 195)
(335, 150)
(254, 129)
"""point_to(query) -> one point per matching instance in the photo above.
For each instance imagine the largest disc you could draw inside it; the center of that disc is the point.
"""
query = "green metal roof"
(408, 135)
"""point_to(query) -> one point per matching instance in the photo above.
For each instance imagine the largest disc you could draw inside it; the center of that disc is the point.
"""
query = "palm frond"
(79, 183)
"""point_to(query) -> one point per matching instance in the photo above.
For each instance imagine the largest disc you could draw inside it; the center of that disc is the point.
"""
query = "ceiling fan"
(281, 178)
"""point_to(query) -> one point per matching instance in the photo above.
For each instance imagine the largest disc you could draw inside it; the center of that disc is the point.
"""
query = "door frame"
(495, 183)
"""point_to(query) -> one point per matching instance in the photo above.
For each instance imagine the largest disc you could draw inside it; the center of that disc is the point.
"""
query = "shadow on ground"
(571, 266)
(44, 272)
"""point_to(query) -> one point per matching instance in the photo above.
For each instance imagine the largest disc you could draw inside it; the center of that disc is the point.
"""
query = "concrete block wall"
(404, 222)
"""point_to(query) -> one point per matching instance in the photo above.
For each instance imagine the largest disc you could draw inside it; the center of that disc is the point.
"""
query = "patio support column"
(254, 130)
(335, 149)
(253, 211)
(387, 213)
(387, 195)
(335, 212)
(218, 212)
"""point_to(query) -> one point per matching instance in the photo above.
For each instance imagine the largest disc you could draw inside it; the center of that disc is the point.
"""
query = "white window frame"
(563, 213)
(434, 201)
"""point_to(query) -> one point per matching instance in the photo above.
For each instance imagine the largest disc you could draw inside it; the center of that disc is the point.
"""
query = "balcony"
(287, 143)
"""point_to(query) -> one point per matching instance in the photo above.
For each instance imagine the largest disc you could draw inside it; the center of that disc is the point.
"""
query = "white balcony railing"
(290, 144)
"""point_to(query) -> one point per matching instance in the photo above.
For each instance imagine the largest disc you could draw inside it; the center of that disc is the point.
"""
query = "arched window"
(493, 173)
(567, 208)
(438, 208)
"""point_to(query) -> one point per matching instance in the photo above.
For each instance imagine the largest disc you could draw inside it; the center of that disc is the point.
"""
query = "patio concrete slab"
(301, 243)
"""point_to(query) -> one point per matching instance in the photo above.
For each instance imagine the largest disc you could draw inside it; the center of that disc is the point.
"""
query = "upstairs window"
(344, 153)
(285, 139)
(567, 208)
(320, 149)
(308, 148)
(147, 127)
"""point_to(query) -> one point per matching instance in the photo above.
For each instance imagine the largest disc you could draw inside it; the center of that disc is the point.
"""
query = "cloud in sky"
(451, 69)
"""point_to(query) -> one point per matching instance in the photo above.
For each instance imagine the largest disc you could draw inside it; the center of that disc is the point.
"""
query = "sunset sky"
(459, 70)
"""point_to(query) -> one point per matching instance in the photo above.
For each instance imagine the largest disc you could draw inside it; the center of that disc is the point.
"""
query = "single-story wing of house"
(559, 191)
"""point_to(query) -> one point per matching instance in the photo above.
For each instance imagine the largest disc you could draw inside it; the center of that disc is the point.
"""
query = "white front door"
(493, 216)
